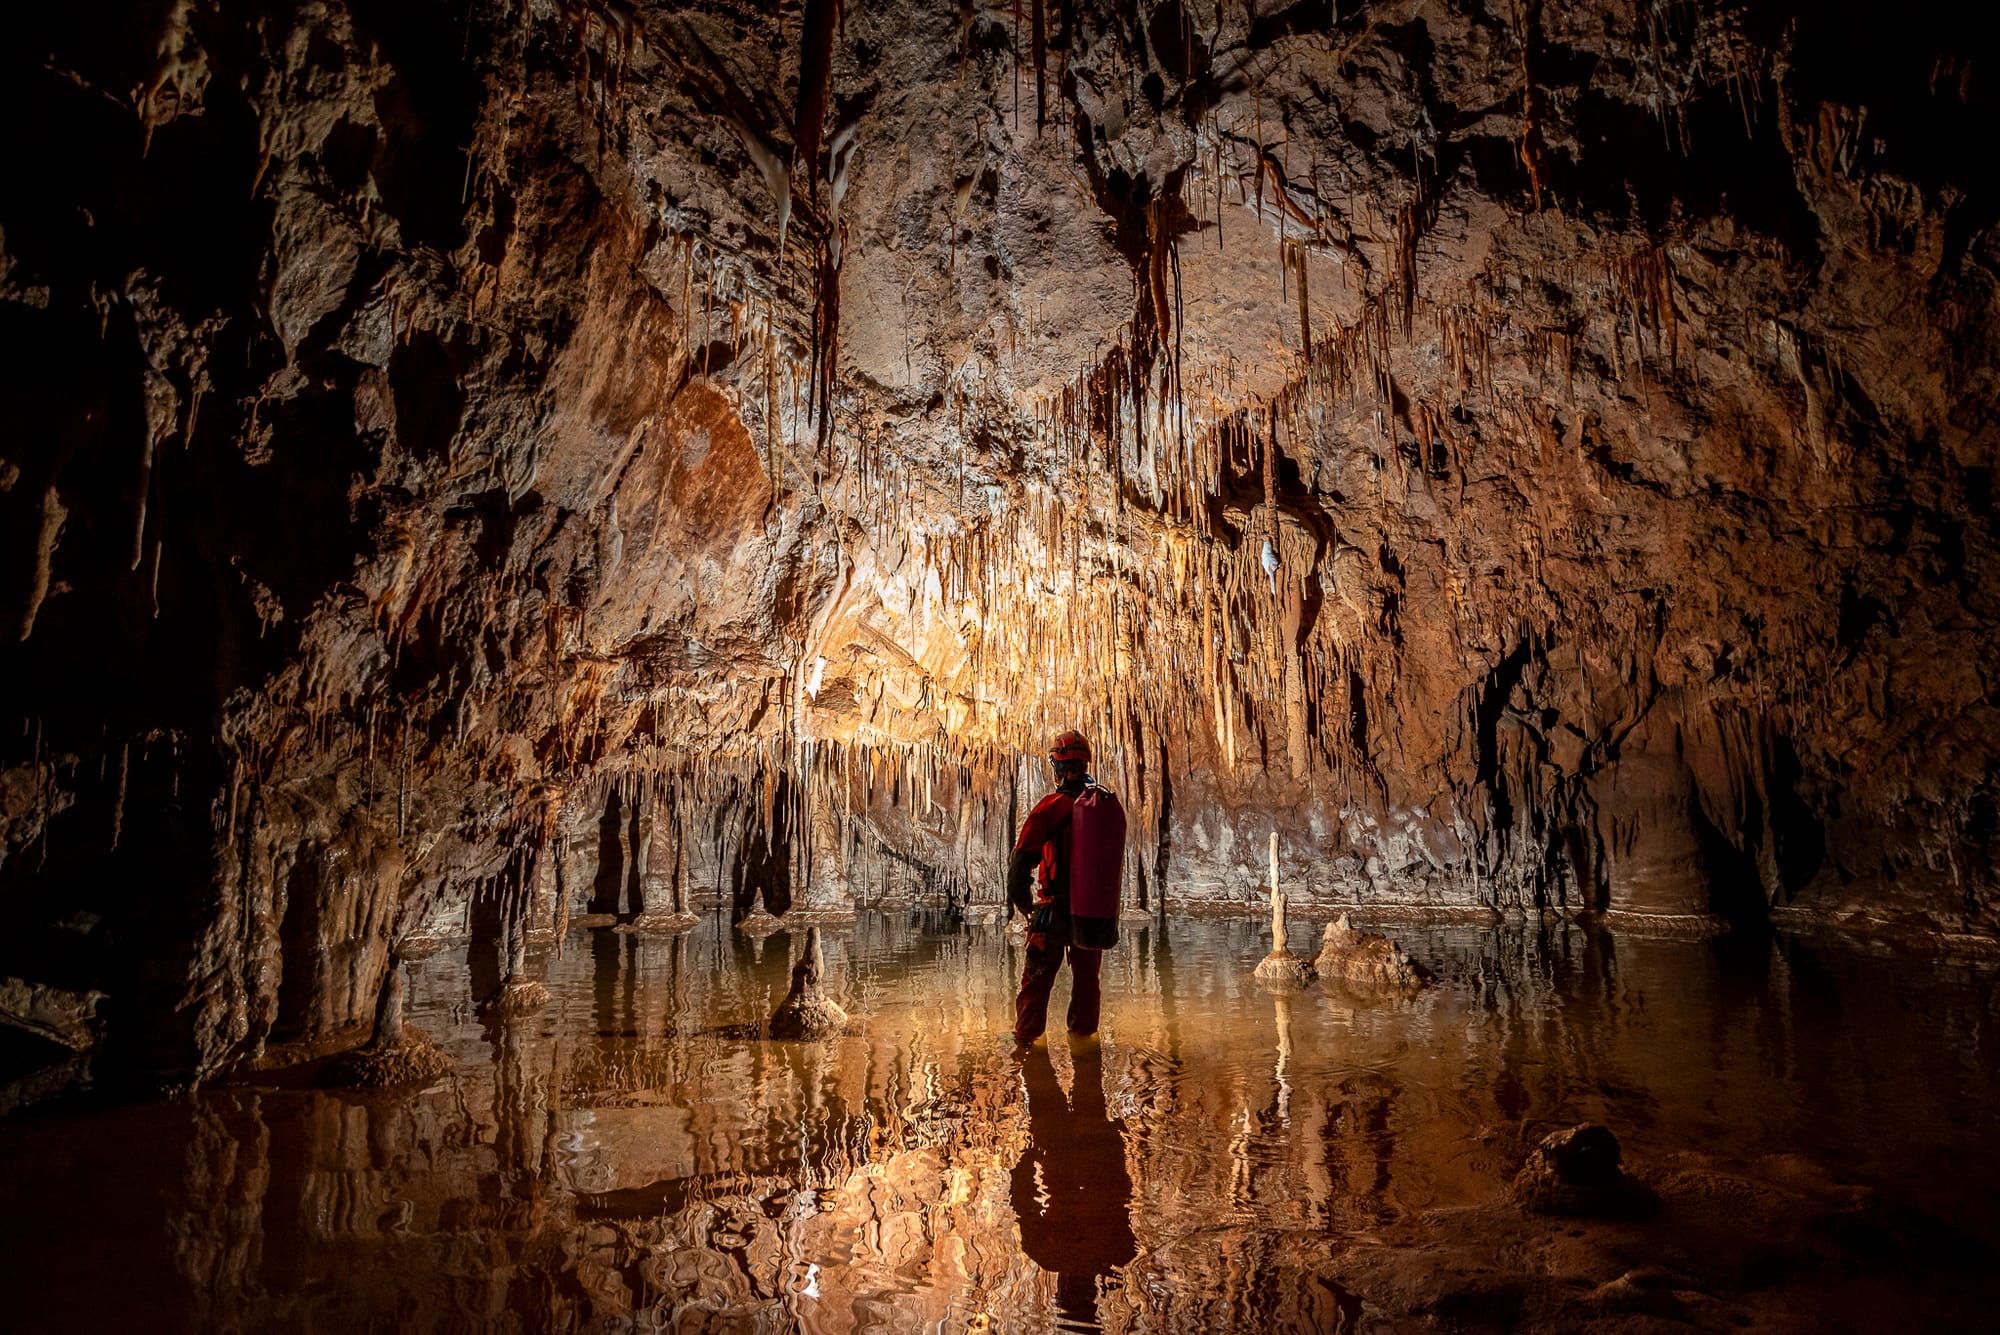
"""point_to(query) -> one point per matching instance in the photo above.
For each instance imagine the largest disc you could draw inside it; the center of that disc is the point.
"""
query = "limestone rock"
(1366, 959)
(57, 1014)
(1662, 585)
(1576, 1172)
(806, 1011)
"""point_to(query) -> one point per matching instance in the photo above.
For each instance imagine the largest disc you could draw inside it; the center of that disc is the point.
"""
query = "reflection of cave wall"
(418, 518)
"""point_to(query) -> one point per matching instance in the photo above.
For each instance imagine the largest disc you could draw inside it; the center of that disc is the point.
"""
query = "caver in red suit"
(1045, 845)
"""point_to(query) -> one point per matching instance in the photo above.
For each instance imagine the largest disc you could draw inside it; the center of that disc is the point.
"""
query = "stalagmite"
(807, 1012)
(53, 513)
(518, 994)
(759, 922)
(1281, 968)
(395, 1053)
(672, 915)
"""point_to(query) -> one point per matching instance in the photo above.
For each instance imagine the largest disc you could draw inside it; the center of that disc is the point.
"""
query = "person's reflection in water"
(1071, 1192)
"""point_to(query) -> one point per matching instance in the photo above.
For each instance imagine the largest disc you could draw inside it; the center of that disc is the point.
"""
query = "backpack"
(1096, 867)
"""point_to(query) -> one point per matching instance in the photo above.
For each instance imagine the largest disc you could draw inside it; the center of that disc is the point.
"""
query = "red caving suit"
(1048, 826)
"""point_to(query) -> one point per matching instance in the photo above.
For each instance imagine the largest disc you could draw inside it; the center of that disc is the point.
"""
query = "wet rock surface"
(1282, 969)
(51, 1013)
(1575, 1172)
(522, 996)
(412, 1060)
(482, 467)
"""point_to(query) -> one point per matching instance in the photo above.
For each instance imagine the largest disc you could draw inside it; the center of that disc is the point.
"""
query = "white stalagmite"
(1281, 968)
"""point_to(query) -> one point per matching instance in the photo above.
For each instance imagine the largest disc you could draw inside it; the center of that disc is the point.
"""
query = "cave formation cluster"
(475, 464)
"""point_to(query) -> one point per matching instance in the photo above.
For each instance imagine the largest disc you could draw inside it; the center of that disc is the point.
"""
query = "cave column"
(1650, 825)
(580, 871)
(651, 888)
(824, 888)
(545, 886)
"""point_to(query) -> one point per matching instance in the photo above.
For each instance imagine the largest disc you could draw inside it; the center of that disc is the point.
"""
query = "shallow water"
(626, 1160)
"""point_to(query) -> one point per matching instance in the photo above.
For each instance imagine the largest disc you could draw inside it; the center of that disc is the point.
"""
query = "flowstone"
(1366, 959)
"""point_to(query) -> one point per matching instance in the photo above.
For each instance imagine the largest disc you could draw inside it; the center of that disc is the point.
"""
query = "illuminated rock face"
(469, 474)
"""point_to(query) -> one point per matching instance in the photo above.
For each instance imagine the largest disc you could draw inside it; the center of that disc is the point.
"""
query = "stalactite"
(53, 514)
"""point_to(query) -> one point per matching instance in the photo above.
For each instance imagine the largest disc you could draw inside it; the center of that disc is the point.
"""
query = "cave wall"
(437, 424)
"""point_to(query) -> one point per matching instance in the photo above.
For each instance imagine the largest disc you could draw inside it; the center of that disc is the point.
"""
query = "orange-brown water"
(626, 1161)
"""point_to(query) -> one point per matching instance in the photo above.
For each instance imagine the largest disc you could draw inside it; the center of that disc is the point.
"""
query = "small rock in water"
(806, 1011)
(1575, 1172)
(1366, 959)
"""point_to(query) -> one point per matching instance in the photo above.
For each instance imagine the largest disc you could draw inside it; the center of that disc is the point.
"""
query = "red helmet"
(1070, 746)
